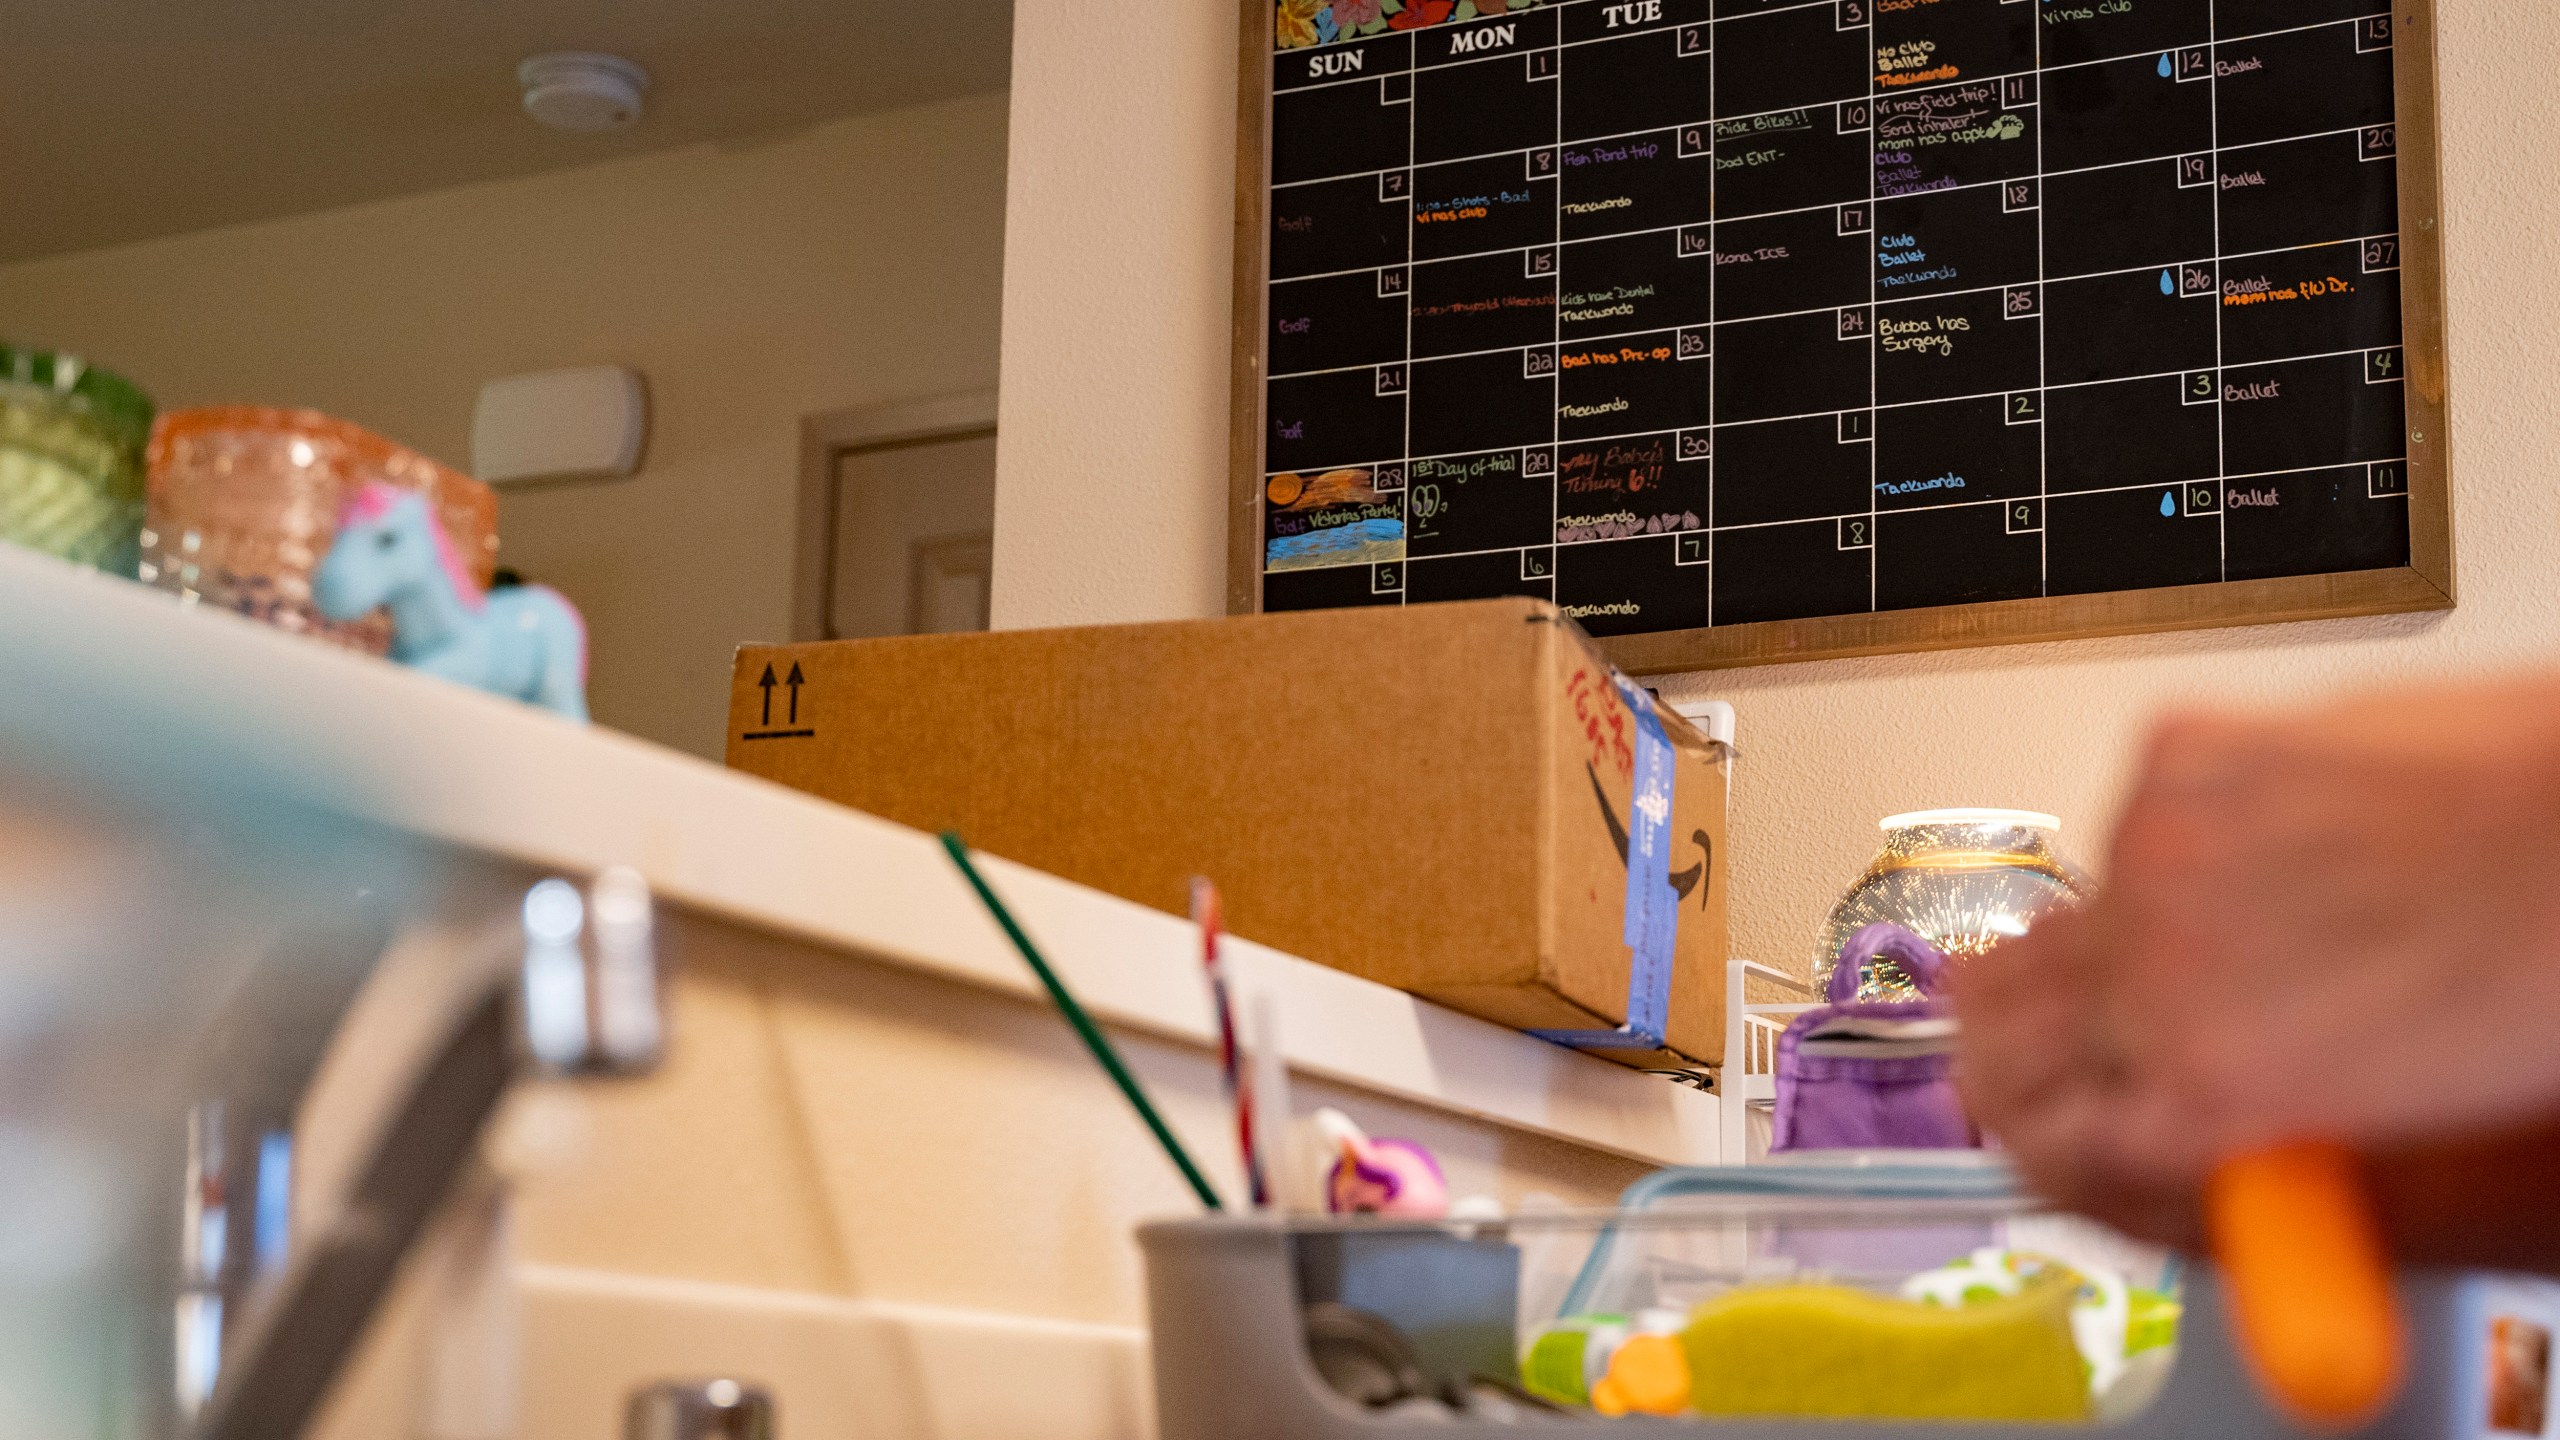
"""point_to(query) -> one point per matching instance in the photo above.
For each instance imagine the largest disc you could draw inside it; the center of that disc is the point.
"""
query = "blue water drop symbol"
(2165, 70)
(2168, 285)
(2168, 505)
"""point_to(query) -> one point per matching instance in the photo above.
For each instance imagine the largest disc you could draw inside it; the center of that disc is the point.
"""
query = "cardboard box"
(1433, 796)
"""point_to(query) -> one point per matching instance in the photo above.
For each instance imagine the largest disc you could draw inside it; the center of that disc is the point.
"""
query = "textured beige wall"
(852, 264)
(1111, 433)
(1827, 748)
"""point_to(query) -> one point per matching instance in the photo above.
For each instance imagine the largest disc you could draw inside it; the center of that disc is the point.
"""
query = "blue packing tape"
(1653, 908)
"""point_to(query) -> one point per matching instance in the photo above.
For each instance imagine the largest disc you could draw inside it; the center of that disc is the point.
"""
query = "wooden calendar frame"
(2425, 583)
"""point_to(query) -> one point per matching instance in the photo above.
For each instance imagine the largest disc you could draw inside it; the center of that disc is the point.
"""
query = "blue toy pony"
(524, 641)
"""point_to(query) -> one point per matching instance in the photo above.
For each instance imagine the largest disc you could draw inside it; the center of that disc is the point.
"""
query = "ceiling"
(126, 119)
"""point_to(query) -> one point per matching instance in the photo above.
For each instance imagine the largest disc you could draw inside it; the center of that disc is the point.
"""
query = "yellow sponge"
(1822, 1350)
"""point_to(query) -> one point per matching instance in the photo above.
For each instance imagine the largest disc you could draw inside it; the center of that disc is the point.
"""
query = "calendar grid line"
(2044, 359)
(1818, 414)
(1714, 229)
(1923, 294)
(2067, 171)
(2148, 486)
(1420, 357)
(1668, 28)
(1875, 283)
(2221, 419)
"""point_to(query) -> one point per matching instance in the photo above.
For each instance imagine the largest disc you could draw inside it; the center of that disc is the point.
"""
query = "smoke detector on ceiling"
(581, 91)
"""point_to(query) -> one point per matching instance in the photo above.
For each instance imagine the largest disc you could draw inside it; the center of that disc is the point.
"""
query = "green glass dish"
(71, 444)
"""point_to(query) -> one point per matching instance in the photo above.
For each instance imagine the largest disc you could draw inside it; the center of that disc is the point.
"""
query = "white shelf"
(107, 676)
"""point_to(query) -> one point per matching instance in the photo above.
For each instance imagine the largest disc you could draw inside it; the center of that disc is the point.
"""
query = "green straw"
(1085, 1029)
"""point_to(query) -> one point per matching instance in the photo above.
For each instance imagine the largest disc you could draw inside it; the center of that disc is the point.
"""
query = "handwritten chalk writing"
(1898, 173)
(1938, 112)
(2259, 291)
(1766, 155)
(2007, 127)
(1607, 293)
(1580, 290)
(2065, 15)
(1762, 124)
(1619, 468)
(1899, 250)
(1315, 520)
(1623, 355)
(1606, 154)
(1606, 303)
(1624, 524)
(1327, 519)
(1485, 306)
(1463, 471)
(1466, 207)
(1933, 336)
(1898, 60)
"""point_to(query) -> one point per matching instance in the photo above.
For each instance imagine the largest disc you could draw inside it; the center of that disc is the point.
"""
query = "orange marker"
(2308, 1280)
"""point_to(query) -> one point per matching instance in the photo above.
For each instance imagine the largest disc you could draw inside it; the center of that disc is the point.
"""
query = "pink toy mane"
(373, 500)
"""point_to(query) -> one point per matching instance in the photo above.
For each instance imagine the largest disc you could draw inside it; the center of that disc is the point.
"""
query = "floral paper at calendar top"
(1322, 22)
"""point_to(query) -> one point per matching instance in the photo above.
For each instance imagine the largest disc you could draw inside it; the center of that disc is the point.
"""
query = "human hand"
(2339, 924)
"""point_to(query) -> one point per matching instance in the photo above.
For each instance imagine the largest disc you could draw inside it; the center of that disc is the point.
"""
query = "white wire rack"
(1750, 1076)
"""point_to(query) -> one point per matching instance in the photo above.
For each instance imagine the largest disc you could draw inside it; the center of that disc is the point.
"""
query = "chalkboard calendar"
(1748, 329)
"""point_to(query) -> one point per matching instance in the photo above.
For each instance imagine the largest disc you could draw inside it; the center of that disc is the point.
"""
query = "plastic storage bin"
(1781, 1288)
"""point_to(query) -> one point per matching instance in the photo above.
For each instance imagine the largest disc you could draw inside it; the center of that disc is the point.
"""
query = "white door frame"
(822, 438)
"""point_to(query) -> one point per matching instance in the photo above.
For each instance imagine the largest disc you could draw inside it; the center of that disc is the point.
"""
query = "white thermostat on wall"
(586, 423)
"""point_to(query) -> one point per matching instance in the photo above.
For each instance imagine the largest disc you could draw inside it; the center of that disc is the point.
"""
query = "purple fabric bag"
(1873, 1074)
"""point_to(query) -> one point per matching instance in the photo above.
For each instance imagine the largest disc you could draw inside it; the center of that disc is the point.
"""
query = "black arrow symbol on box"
(792, 680)
(767, 684)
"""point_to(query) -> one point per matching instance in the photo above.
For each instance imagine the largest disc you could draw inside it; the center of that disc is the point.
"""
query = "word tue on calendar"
(1689, 313)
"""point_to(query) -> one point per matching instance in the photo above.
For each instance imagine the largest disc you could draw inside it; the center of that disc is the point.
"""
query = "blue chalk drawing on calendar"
(1339, 517)
(1362, 542)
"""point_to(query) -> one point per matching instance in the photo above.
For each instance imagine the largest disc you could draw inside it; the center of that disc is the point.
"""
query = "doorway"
(897, 520)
